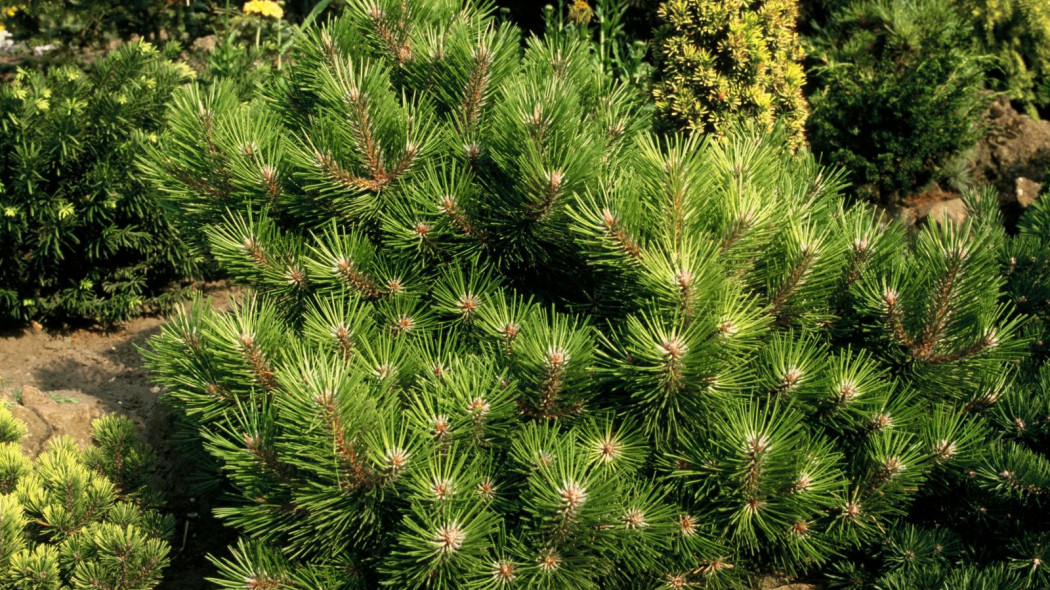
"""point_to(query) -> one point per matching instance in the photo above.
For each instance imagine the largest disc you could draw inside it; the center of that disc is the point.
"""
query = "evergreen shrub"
(719, 63)
(1017, 34)
(898, 93)
(80, 232)
(79, 519)
(69, 27)
(501, 336)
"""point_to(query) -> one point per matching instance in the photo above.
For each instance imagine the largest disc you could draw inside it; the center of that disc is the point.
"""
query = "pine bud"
(549, 561)
(851, 511)
(634, 519)
(673, 348)
(449, 538)
(944, 449)
(573, 496)
(686, 525)
(404, 324)
(487, 490)
(848, 391)
(441, 425)
(504, 572)
(800, 529)
(441, 488)
(892, 467)
(608, 449)
(726, 328)
(395, 459)
(468, 304)
(556, 357)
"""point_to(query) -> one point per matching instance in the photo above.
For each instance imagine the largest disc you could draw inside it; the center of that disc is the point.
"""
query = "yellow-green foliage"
(65, 525)
(723, 61)
(1018, 33)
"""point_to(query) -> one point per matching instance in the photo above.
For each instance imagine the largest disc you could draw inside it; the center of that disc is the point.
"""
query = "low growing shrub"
(719, 63)
(73, 519)
(898, 93)
(81, 235)
(502, 337)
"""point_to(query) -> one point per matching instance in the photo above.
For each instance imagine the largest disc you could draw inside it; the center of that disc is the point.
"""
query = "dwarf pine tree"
(502, 336)
(79, 519)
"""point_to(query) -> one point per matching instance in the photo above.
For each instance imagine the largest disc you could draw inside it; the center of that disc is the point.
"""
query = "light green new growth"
(66, 525)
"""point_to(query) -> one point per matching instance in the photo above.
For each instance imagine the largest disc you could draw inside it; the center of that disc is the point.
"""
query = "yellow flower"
(152, 137)
(10, 10)
(42, 104)
(121, 99)
(20, 93)
(265, 8)
(10, 211)
(581, 12)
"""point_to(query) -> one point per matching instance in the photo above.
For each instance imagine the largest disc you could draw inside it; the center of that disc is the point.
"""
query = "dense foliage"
(1017, 33)
(79, 519)
(719, 63)
(71, 26)
(899, 93)
(80, 232)
(502, 336)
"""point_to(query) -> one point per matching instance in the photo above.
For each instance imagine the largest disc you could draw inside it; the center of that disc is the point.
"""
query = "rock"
(953, 210)
(37, 431)
(908, 215)
(47, 418)
(1016, 146)
(206, 43)
(1027, 191)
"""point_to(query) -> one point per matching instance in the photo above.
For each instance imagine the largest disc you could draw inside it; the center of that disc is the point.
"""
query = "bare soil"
(58, 382)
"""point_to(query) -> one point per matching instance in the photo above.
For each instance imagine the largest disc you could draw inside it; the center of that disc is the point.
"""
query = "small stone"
(1027, 191)
(953, 210)
(908, 215)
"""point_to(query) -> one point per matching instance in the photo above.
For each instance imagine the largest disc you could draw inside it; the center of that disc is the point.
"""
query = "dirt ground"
(58, 382)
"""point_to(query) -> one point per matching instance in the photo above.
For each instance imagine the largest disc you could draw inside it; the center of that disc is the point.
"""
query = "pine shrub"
(501, 336)
(81, 235)
(722, 62)
(83, 520)
(898, 93)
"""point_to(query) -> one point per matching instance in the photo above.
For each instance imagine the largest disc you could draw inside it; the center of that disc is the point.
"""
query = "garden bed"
(58, 382)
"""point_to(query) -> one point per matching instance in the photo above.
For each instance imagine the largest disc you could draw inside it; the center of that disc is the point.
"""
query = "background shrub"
(84, 520)
(76, 25)
(1017, 34)
(80, 232)
(719, 63)
(898, 93)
